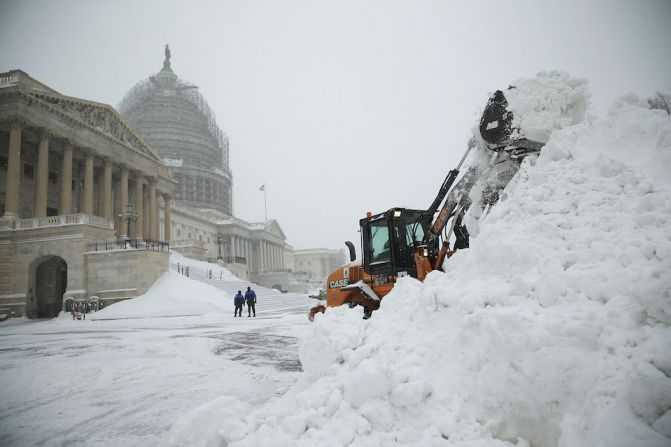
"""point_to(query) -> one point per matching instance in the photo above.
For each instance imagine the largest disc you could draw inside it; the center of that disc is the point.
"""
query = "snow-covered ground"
(136, 373)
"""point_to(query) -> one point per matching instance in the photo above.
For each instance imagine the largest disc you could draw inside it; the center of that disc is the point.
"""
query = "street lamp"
(128, 216)
(220, 242)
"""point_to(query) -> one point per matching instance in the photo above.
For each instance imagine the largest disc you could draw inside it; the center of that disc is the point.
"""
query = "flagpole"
(265, 202)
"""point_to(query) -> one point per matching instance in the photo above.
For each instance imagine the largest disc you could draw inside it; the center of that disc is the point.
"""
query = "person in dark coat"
(250, 297)
(239, 301)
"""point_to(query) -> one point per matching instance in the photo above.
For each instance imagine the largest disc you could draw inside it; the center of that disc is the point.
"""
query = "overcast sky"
(339, 107)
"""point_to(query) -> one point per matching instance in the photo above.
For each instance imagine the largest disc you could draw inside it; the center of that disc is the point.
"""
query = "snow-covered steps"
(269, 302)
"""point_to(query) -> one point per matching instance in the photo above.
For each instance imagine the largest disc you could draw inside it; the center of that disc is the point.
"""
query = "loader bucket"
(496, 121)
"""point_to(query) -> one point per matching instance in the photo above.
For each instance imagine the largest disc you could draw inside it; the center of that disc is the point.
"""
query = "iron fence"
(126, 244)
(229, 260)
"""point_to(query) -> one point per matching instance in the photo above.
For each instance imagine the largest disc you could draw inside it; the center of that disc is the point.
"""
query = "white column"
(107, 189)
(87, 203)
(139, 207)
(65, 192)
(262, 244)
(42, 175)
(153, 211)
(13, 186)
(277, 257)
(167, 216)
(272, 257)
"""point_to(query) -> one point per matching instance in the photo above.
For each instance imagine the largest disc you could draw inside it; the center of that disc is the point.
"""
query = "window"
(53, 177)
(28, 170)
(408, 227)
(380, 249)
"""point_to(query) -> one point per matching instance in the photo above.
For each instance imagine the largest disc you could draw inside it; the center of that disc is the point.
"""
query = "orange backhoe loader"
(406, 242)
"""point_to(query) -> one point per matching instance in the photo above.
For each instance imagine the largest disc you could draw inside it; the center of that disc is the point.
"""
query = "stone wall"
(122, 274)
(239, 270)
(272, 279)
(21, 252)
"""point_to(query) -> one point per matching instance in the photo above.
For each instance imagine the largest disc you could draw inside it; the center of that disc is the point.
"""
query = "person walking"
(250, 297)
(239, 301)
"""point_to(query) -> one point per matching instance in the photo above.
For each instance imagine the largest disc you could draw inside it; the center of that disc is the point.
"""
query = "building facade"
(75, 182)
(315, 264)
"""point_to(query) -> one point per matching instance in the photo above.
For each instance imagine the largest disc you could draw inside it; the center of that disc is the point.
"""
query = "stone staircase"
(270, 303)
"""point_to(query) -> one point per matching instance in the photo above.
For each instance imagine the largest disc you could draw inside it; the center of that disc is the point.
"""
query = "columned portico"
(62, 155)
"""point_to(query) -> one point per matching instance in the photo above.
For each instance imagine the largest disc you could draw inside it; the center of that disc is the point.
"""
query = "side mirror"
(352, 251)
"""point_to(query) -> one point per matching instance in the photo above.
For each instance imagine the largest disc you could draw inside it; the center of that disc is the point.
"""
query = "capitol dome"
(173, 117)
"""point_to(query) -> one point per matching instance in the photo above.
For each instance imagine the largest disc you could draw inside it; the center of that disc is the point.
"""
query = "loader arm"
(437, 226)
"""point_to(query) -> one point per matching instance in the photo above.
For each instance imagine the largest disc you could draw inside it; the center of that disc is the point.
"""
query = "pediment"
(101, 118)
(273, 227)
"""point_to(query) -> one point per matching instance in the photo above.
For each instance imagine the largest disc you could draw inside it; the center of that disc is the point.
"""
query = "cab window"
(379, 242)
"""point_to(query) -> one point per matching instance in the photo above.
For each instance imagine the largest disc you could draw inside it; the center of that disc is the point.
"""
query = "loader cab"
(388, 240)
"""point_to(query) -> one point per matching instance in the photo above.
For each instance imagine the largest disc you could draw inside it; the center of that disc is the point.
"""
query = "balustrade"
(70, 219)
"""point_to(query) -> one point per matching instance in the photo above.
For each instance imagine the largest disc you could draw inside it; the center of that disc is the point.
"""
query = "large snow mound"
(172, 295)
(551, 330)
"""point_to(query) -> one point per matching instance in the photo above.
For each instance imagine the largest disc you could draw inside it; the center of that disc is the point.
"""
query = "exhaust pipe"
(352, 251)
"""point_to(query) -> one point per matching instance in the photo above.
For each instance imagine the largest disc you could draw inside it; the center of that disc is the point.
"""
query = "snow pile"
(551, 330)
(550, 101)
(176, 295)
(172, 295)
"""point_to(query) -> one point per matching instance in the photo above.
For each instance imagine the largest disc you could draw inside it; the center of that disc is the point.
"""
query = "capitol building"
(94, 199)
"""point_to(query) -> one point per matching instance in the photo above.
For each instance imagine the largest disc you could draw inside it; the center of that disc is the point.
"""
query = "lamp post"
(220, 243)
(127, 216)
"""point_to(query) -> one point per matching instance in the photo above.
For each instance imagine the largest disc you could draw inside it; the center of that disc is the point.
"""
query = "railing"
(126, 244)
(229, 260)
(188, 243)
(68, 219)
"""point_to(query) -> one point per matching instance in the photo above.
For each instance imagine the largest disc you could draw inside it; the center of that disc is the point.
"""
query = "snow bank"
(172, 295)
(176, 295)
(553, 329)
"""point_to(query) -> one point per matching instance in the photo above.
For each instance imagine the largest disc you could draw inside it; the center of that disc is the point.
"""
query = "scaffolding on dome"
(141, 91)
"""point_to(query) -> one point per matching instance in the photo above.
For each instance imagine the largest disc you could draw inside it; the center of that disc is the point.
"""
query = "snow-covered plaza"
(112, 380)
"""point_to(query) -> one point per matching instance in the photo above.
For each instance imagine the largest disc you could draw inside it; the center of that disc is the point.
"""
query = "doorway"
(45, 298)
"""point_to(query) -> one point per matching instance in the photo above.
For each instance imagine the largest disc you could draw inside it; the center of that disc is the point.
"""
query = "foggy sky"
(339, 107)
